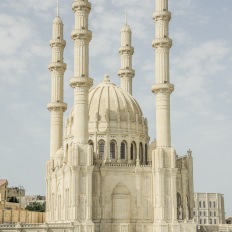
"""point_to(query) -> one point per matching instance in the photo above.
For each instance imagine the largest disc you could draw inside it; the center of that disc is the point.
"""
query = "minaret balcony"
(81, 82)
(80, 5)
(126, 73)
(162, 42)
(57, 106)
(57, 43)
(162, 88)
(126, 50)
(81, 34)
(162, 15)
(57, 66)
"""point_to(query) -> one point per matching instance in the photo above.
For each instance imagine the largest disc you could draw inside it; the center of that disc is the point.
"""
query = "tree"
(37, 207)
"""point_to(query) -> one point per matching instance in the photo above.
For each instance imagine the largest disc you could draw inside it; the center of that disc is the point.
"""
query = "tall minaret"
(164, 157)
(57, 68)
(126, 73)
(81, 82)
(162, 88)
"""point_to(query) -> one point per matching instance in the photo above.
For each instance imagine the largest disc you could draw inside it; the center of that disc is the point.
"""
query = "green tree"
(37, 207)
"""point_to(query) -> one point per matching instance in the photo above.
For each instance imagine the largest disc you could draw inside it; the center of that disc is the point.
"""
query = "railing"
(35, 225)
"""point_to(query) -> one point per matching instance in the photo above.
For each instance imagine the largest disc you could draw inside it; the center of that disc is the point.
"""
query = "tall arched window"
(132, 151)
(123, 150)
(179, 208)
(146, 154)
(141, 152)
(101, 145)
(112, 150)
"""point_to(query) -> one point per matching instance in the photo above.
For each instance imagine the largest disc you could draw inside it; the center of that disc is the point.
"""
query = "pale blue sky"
(201, 69)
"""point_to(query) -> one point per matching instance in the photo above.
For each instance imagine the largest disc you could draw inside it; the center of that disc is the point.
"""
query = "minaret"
(164, 157)
(81, 82)
(57, 68)
(126, 73)
(162, 88)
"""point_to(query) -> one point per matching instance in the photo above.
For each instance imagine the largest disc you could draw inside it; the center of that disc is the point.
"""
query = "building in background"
(229, 220)
(209, 208)
(3, 190)
(15, 192)
(30, 199)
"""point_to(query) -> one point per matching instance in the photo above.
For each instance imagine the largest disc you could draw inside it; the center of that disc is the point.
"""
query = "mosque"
(103, 174)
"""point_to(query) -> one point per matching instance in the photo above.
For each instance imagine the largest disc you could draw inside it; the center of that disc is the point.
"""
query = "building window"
(204, 213)
(215, 221)
(112, 150)
(141, 152)
(123, 150)
(101, 149)
(200, 213)
(132, 152)
(214, 204)
(204, 204)
(210, 214)
(210, 221)
(200, 221)
(145, 154)
(194, 213)
(204, 221)
(200, 204)
(214, 213)
(210, 204)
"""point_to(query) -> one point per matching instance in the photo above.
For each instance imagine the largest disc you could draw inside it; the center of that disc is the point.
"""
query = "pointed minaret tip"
(57, 8)
(126, 18)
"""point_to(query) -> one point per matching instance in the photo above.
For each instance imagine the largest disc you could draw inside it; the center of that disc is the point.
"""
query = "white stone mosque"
(102, 174)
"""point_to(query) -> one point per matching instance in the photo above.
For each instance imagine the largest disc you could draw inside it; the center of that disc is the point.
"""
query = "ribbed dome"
(108, 103)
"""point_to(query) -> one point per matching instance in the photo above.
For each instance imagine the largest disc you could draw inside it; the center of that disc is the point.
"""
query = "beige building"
(209, 208)
(229, 220)
(3, 190)
(16, 192)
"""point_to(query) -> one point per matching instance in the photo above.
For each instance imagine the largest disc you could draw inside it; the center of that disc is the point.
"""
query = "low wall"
(14, 216)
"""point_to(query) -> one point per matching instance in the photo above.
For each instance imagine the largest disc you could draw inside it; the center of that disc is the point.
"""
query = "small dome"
(109, 103)
(121, 189)
(57, 20)
(125, 28)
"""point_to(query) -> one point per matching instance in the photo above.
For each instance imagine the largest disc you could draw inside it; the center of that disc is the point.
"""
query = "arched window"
(112, 150)
(145, 154)
(101, 145)
(179, 208)
(132, 151)
(123, 150)
(141, 152)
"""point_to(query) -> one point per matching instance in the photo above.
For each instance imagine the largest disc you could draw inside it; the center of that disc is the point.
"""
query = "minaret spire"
(57, 68)
(126, 73)
(57, 8)
(164, 156)
(126, 17)
(162, 88)
(81, 82)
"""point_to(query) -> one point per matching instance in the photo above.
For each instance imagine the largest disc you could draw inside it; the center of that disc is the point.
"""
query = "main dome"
(113, 108)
